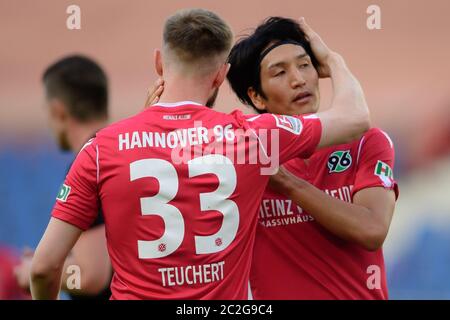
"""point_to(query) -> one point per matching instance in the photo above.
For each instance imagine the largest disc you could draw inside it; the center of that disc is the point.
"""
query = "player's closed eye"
(279, 73)
(303, 65)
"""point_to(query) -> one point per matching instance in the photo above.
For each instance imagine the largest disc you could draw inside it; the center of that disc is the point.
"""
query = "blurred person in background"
(9, 288)
(322, 220)
(76, 91)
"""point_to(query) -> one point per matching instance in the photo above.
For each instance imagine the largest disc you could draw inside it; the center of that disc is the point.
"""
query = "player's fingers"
(158, 82)
(151, 90)
(317, 44)
(154, 92)
(148, 102)
(158, 92)
(154, 96)
(311, 34)
(307, 29)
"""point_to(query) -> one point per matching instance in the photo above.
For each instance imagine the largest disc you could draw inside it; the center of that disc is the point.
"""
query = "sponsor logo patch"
(289, 123)
(339, 161)
(384, 172)
(63, 193)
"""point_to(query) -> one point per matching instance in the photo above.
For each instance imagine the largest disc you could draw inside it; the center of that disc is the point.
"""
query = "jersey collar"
(176, 104)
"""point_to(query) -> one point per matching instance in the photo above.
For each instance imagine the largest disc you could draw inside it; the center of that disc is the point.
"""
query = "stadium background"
(403, 68)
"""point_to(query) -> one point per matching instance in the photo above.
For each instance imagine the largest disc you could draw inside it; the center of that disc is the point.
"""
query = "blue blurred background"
(31, 175)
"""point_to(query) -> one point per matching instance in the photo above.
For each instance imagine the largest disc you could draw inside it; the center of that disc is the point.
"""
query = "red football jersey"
(180, 216)
(295, 257)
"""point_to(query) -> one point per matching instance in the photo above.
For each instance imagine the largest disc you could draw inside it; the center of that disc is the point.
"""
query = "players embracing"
(186, 230)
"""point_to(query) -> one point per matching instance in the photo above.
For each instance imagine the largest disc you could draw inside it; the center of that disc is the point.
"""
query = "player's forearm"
(70, 261)
(82, 283)
(348, 96)
(348, 221)
(45, 285)
(87, 270)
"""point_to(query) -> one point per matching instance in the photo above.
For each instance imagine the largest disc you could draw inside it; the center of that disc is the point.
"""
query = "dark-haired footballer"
(76, 90)
(322, 221)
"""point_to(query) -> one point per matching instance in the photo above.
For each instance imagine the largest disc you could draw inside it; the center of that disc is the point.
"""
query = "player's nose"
(297, 79)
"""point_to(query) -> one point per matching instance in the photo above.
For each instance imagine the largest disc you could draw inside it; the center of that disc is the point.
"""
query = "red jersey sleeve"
(287, 136)
(77, 202)
(375, 162)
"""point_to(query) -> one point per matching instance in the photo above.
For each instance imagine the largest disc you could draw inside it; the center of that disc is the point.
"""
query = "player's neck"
(79, 134)
(178, 89)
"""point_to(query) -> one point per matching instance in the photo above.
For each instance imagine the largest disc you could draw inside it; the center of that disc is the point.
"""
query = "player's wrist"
(335, 63)
(290, 187)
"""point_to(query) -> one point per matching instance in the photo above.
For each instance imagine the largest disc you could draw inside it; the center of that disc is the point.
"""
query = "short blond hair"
(197, 35)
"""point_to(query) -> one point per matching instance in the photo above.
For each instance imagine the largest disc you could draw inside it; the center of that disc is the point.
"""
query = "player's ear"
(158, 62)
(256, 98)
(221, 75)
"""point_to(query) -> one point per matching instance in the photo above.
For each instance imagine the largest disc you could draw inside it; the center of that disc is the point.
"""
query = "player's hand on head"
(154, 92)
(22, 271)
(321, 51)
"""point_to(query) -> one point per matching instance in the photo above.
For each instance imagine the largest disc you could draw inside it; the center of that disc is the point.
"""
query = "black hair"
(81, 84)
(245, 56)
